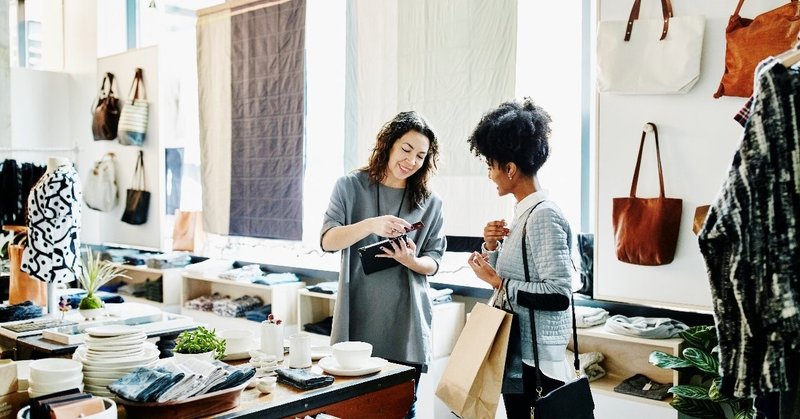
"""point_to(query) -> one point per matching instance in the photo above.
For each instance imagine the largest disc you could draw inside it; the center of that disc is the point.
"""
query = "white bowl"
(352, 355)
(237, 341)
(54, 386)
(54, 369)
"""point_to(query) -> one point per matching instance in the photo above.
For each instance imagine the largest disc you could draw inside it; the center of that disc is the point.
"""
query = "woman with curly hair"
(514, 141)
(389, 308)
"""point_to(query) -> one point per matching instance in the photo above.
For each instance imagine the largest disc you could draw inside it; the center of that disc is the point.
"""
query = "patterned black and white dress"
(54, 224)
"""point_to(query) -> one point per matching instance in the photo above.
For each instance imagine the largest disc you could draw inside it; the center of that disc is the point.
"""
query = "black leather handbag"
(137, 202)
(572, 399)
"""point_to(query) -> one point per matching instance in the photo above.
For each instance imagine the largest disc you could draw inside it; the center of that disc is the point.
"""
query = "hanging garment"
(750, 246)
(54, 224)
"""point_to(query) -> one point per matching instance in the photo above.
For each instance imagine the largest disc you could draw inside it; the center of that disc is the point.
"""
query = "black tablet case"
(370, 263)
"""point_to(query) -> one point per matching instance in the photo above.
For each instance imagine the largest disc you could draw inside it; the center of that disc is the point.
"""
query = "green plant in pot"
(699, 365)
(200, 341)
(94, 273)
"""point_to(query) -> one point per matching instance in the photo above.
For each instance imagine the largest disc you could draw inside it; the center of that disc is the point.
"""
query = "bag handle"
(648, 127)
(138, 80)
(576, 363)
(102, 93)
(138, 174)
(666, 11)
(739, 8)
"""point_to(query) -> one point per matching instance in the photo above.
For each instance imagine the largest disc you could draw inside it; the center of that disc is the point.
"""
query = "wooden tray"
(193, 407)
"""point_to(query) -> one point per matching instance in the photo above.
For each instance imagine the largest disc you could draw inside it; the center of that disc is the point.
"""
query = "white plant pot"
(92, 313)
(205, 356)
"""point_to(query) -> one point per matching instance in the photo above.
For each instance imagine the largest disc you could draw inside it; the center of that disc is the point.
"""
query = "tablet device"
(370, 263)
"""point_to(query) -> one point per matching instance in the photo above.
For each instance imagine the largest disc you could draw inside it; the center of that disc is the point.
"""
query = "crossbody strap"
(635, 181)
(576, 362)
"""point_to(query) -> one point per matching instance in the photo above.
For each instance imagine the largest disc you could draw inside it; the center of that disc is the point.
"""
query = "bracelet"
(485, 250)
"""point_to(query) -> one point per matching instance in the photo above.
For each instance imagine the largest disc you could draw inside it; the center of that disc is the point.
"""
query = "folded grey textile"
(302, 378)
(645, 327)
(589, 316)
(244, 274)
(169, 260)
(434, 293)
(145, 384)
(324, 287)
(234, 376)
(642, 386)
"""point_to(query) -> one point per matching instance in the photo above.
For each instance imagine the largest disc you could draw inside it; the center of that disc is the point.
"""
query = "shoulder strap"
(635, 181)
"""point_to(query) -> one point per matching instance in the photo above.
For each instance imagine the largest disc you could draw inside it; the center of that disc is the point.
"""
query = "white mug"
(272, 339)
(300, 351)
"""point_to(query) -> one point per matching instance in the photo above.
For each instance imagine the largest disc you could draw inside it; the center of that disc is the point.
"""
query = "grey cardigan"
(549, 240)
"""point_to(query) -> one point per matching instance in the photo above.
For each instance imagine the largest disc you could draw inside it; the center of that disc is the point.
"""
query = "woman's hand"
(403, 251)
(494, 232)
(480, 265)
(388, 226)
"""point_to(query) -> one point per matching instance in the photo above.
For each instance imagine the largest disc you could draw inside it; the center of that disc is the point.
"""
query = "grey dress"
(389, 309)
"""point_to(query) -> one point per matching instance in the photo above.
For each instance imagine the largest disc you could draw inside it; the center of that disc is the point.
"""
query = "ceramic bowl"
(54, 369)
(352, 355)
(55, 386)
(237, 341)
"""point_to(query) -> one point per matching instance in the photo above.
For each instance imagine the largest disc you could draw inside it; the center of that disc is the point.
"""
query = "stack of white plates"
(51, 375)
(111, 352)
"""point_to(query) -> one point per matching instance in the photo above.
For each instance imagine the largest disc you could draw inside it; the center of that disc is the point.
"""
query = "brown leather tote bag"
(749, 41)
(106, 111)
(646, 229)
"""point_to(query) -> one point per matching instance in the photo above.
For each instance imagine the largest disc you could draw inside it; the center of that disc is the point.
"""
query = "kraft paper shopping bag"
(471, 383)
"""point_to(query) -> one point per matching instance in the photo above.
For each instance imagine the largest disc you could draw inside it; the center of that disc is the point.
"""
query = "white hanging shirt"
(52, 253)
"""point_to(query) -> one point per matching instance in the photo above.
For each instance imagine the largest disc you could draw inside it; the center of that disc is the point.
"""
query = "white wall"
(698, 137)
(5, 82)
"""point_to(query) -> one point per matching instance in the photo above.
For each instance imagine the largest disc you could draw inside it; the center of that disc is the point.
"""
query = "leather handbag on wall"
(137, 202)
(649, 56)
(749, 41)
(646, 229)
(105, 112)
(133, 120)
(100, 188)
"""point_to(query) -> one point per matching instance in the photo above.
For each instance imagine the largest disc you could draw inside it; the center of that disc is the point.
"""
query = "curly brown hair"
(417, 185)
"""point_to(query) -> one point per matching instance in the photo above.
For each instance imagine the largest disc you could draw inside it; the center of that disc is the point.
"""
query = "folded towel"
(302, 378)
(324, 287)
(590, 364)
(645, 327)
(275, 279)
(434, 293)
(589, 316)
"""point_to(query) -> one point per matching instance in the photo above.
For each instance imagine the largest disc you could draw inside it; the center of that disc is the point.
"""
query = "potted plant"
(699, 364)
(94, 273)
(202, 342)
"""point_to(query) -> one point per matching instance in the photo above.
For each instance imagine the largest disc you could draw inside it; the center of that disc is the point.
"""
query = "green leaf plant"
(199, 341)
(698, 364)
(95, 272)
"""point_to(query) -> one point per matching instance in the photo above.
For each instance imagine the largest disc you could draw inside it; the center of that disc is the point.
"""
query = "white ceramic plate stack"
(51, 375)
(111, 352)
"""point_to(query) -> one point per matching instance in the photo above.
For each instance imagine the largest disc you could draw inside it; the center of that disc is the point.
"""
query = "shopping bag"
(21, 286)
(649, 56)
(646, 229)
(100, 188)
(471, 383)
(188, 234)
(133, 119)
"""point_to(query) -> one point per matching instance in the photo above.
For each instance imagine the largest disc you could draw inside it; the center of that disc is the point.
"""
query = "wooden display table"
(387, 394)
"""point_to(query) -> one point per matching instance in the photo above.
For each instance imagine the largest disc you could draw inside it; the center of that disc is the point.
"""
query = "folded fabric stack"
(590, 364)
(302, 378)
(322, 327)
(237, 307)
(246, 273)
(275, 279)
(589, 316)
(179, 379)
(642, 386)
(169, 260)
(22, 311)
(441, 296)
(324, 287)
(154, 290)
(645, 327)
(209, 267)
(136, 289)
(259, 314)
(204, 302)
(116, 255)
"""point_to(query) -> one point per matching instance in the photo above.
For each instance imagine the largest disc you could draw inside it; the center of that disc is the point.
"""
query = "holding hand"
(494, 232)
(388, 226)
(480, 265)
(402, 251)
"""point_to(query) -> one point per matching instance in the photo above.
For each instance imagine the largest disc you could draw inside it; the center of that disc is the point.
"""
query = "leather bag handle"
(138, 174)
(739, 7)
(666, 11)
(635, 181)
(138, 80)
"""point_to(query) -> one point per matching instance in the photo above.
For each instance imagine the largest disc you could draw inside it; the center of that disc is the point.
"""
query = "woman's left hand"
(480, 265)
(403, 251)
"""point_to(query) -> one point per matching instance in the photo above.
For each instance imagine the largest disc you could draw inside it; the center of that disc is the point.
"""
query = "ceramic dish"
(373, 365)
(319, 352)
(113, 330)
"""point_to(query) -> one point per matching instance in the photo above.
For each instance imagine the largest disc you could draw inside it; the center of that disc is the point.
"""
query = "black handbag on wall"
(571, 400)
(106, 111)
(137, 201)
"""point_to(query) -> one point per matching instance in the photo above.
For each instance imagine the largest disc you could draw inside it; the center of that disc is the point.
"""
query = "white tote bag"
(100, 188)
(649, 56)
